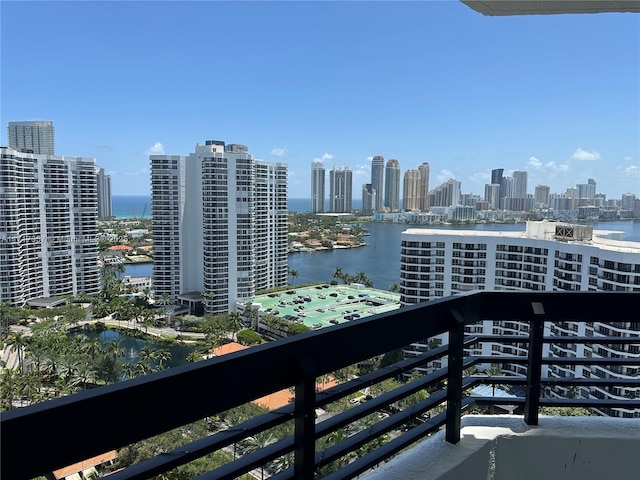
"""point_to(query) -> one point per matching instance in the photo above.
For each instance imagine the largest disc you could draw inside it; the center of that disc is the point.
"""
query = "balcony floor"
(500, 447)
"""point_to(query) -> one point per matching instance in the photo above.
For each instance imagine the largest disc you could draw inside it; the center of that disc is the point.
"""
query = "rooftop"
(542, 230)
(326, 305)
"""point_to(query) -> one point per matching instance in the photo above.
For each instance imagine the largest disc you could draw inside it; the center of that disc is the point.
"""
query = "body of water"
(132, 347)
(380, 259)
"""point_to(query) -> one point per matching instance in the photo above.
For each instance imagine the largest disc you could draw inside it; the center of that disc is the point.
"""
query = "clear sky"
(558, 96)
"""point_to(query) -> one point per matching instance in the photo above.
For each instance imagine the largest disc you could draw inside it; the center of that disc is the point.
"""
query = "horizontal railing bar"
(590, 403)
(558, 360)
(625, 362)
(594, 340)
(498, 400)
(593, 381)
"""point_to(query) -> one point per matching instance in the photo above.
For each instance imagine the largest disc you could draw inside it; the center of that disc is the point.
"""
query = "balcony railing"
(41, 438)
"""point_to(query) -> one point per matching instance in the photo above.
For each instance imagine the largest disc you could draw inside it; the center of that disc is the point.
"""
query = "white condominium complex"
(547, 256)
(48, 207)
(219, 224)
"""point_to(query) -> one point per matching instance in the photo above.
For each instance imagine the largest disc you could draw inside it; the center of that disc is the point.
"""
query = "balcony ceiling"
(546, 7)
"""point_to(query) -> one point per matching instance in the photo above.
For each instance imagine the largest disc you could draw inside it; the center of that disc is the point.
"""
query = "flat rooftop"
(541, 230)
(326, 305)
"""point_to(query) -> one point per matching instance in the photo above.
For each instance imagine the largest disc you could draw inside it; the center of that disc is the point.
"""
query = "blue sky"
(558, 96)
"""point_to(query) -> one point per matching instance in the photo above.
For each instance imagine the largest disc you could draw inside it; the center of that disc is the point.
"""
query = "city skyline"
(440, 84)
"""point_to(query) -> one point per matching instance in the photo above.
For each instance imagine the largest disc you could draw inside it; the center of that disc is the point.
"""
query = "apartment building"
(340, 190)
(546, 256)
(32, 136)
(219, 224)
(104, 194)
(48, 209)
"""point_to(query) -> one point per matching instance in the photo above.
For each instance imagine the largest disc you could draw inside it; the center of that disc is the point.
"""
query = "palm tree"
(115, 350)
(251, 314)
(337, 274)
(84, 374)
(394, 287)
(194, 357)
(162, 357)
(146, 355)
(235, 324)
(17, 341)
(8, 314)
(493, 371)
(360, 277)
(294, 274)
(207, 298)
(165, 300)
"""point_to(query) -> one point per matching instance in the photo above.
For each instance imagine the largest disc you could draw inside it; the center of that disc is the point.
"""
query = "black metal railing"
(43, 437)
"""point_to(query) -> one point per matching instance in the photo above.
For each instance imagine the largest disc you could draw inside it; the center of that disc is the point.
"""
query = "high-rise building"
(411, 190)
(48, 245)
(519, 184)
(317, 187)
(271, 231)
(340, 190)
(548, 256)
(377, 180)
(32, 137)
(424, 187)
(542, 195)
(392, 185)
(103, 182)
(587, 190)
(492, 195)
(219, 225)
(369, 198)
(445, 195)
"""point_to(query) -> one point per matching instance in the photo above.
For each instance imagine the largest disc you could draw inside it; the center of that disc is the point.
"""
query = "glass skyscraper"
(32, 137)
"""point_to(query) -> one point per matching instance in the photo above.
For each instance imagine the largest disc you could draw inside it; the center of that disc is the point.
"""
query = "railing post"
(305, 421)
(454, 378)
(534, 366)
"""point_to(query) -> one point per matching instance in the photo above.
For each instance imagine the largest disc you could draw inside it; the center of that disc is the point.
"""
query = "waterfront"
(380, 259)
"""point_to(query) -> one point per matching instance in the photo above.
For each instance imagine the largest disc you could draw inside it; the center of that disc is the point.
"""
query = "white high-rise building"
(103, 182)
(317, 187)
(48, 245)
(32, 136)
(547, 256)
(219, 224)
(340, 190)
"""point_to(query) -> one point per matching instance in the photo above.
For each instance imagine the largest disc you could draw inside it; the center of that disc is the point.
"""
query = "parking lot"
(325, 305)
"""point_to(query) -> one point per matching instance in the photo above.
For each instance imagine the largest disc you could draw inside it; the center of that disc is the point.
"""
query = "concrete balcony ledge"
(504, 447)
